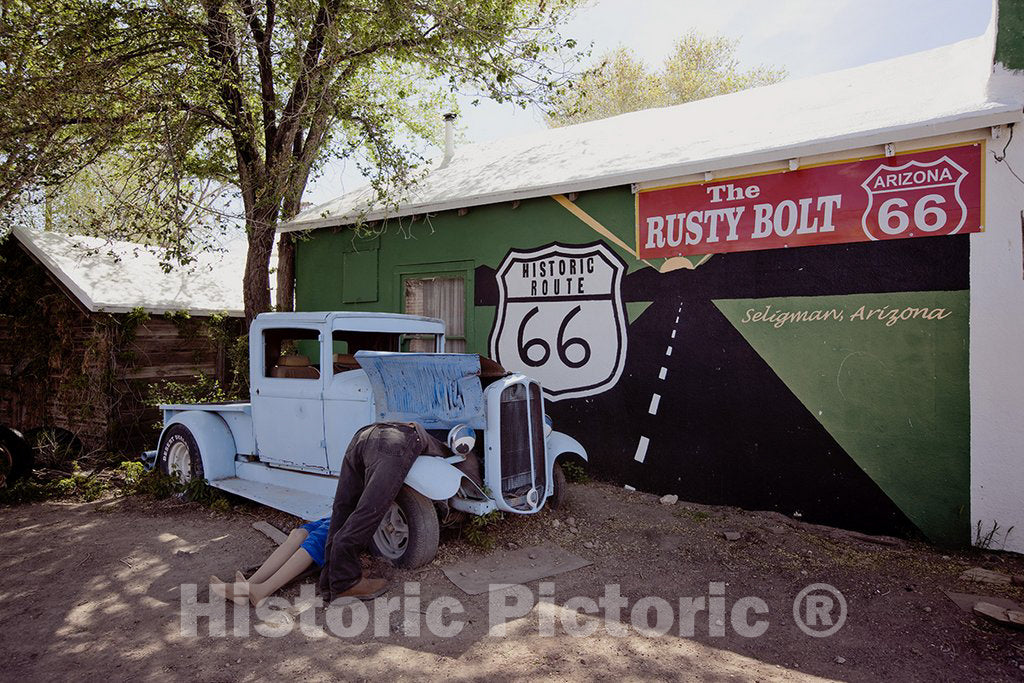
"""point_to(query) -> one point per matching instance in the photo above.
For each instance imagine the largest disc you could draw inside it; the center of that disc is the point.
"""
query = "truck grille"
(522, 445)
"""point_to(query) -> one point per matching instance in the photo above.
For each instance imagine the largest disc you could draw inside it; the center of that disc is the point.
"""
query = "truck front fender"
(434, 478)
(213, 436)
(560, 444)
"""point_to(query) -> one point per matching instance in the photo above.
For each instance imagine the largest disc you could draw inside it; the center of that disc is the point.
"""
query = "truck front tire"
(179, 454)
(559, 490)
(408, 534)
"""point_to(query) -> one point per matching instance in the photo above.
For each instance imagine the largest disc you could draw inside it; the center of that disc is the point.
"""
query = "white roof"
(132, 277)
(939, 91)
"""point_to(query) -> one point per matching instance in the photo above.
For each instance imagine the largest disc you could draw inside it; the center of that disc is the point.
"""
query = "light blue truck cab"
(316, 378)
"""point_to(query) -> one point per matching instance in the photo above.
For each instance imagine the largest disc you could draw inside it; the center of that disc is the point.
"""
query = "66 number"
(562, 345)
(893, 219)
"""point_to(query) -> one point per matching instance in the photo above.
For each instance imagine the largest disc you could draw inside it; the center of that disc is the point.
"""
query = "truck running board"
(301, 503)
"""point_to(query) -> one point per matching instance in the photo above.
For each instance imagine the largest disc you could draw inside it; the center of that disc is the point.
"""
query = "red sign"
(917, 194)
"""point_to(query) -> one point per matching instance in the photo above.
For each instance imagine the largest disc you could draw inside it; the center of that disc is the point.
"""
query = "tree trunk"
(256, 281)
(286, 272)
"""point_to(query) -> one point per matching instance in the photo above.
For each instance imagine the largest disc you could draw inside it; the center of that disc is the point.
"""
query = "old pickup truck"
(316, 378)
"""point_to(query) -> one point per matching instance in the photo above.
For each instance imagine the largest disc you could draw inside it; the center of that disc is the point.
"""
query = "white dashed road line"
(641, 449)
(655, 400)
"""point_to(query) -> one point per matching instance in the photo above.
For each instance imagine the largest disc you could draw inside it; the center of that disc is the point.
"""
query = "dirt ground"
(94, 591)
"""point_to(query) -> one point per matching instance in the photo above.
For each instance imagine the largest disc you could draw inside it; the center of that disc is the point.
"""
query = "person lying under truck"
(376, 463)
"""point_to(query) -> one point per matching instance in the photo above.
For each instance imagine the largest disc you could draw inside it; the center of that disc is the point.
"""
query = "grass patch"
(698, 516)
(127, 479)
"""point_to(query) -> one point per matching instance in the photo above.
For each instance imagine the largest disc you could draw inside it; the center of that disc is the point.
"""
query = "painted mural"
(826, 381)
(560, 318)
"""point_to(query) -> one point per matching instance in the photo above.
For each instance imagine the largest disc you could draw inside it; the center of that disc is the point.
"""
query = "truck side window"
(291, 353)
(345, 344)
(444, 297)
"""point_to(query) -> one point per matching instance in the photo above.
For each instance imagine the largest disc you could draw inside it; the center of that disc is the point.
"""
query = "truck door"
(348, 400)
(287, 398)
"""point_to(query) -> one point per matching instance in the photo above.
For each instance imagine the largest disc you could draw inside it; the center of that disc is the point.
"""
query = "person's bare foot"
(240, 577)
(237, 593)
(256, 594)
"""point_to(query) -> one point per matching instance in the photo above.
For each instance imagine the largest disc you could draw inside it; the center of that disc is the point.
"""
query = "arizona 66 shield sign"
(914, 194)
(561, 319)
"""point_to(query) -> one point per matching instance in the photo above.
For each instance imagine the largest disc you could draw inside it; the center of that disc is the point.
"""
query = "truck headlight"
(461, 439)
(549, 426)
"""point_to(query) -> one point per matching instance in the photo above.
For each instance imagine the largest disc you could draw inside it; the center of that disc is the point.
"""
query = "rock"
(573, 530)
(555, 523)
(571, 521)
(533, 556)
(670, 499)
(927, 609)
(985, 576)
(840, 660)
(588, 544)
(629, 488)
(732, 535)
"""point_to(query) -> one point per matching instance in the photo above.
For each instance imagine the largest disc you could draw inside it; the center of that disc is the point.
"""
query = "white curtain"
(438, 297)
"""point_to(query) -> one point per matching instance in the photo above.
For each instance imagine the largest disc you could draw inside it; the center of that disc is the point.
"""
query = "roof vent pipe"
(449, 142)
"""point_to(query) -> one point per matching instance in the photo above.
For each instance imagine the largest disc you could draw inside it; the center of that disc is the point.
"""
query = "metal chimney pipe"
(449, 141)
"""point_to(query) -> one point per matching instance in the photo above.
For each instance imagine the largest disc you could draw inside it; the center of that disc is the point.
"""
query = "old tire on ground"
(408, 534)
(179, 454)
(560, 493)
(15, 457)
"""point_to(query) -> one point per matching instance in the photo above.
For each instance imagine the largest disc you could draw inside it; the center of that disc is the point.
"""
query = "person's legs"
(299, 562)
(278, 558)
(387, 456)
(346, 497)
(255, 592)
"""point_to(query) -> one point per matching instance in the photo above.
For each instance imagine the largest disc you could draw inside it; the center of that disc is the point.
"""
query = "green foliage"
(479, 530)
(202, 389)
(574, 471)
(698, 67)
(25, 491)
(184, 101)
(87, 487)
(135, 480)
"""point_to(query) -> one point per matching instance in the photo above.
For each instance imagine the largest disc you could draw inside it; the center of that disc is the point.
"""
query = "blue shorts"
(316, 542)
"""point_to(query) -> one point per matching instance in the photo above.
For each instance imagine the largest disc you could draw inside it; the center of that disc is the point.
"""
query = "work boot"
(365, 589)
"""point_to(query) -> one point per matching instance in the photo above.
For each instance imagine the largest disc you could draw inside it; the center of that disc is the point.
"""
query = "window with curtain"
(444, 297)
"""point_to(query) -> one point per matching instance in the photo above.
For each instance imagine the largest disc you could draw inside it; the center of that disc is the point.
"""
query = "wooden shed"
(88, 327)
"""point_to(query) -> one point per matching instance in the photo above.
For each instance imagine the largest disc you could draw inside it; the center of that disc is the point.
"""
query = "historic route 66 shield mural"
(561, 319)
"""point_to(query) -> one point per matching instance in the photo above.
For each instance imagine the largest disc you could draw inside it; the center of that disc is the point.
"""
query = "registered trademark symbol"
(819, 610)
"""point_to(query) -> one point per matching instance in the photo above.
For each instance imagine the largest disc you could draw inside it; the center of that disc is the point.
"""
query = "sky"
(806, 37)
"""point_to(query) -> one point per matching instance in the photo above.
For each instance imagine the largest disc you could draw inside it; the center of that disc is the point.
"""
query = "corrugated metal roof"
(116, 277)
(939, 91)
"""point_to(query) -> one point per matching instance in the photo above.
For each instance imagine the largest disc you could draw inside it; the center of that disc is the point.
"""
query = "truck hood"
(438, 390)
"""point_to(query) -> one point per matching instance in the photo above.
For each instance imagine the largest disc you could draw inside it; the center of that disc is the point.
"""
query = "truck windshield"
(345, 344)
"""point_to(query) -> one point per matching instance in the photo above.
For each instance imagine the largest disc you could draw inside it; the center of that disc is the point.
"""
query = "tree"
(697, 67)
(256, 95)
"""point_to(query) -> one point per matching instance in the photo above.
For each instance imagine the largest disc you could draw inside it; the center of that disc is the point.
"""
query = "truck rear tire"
(179, 454)
(409, 533)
